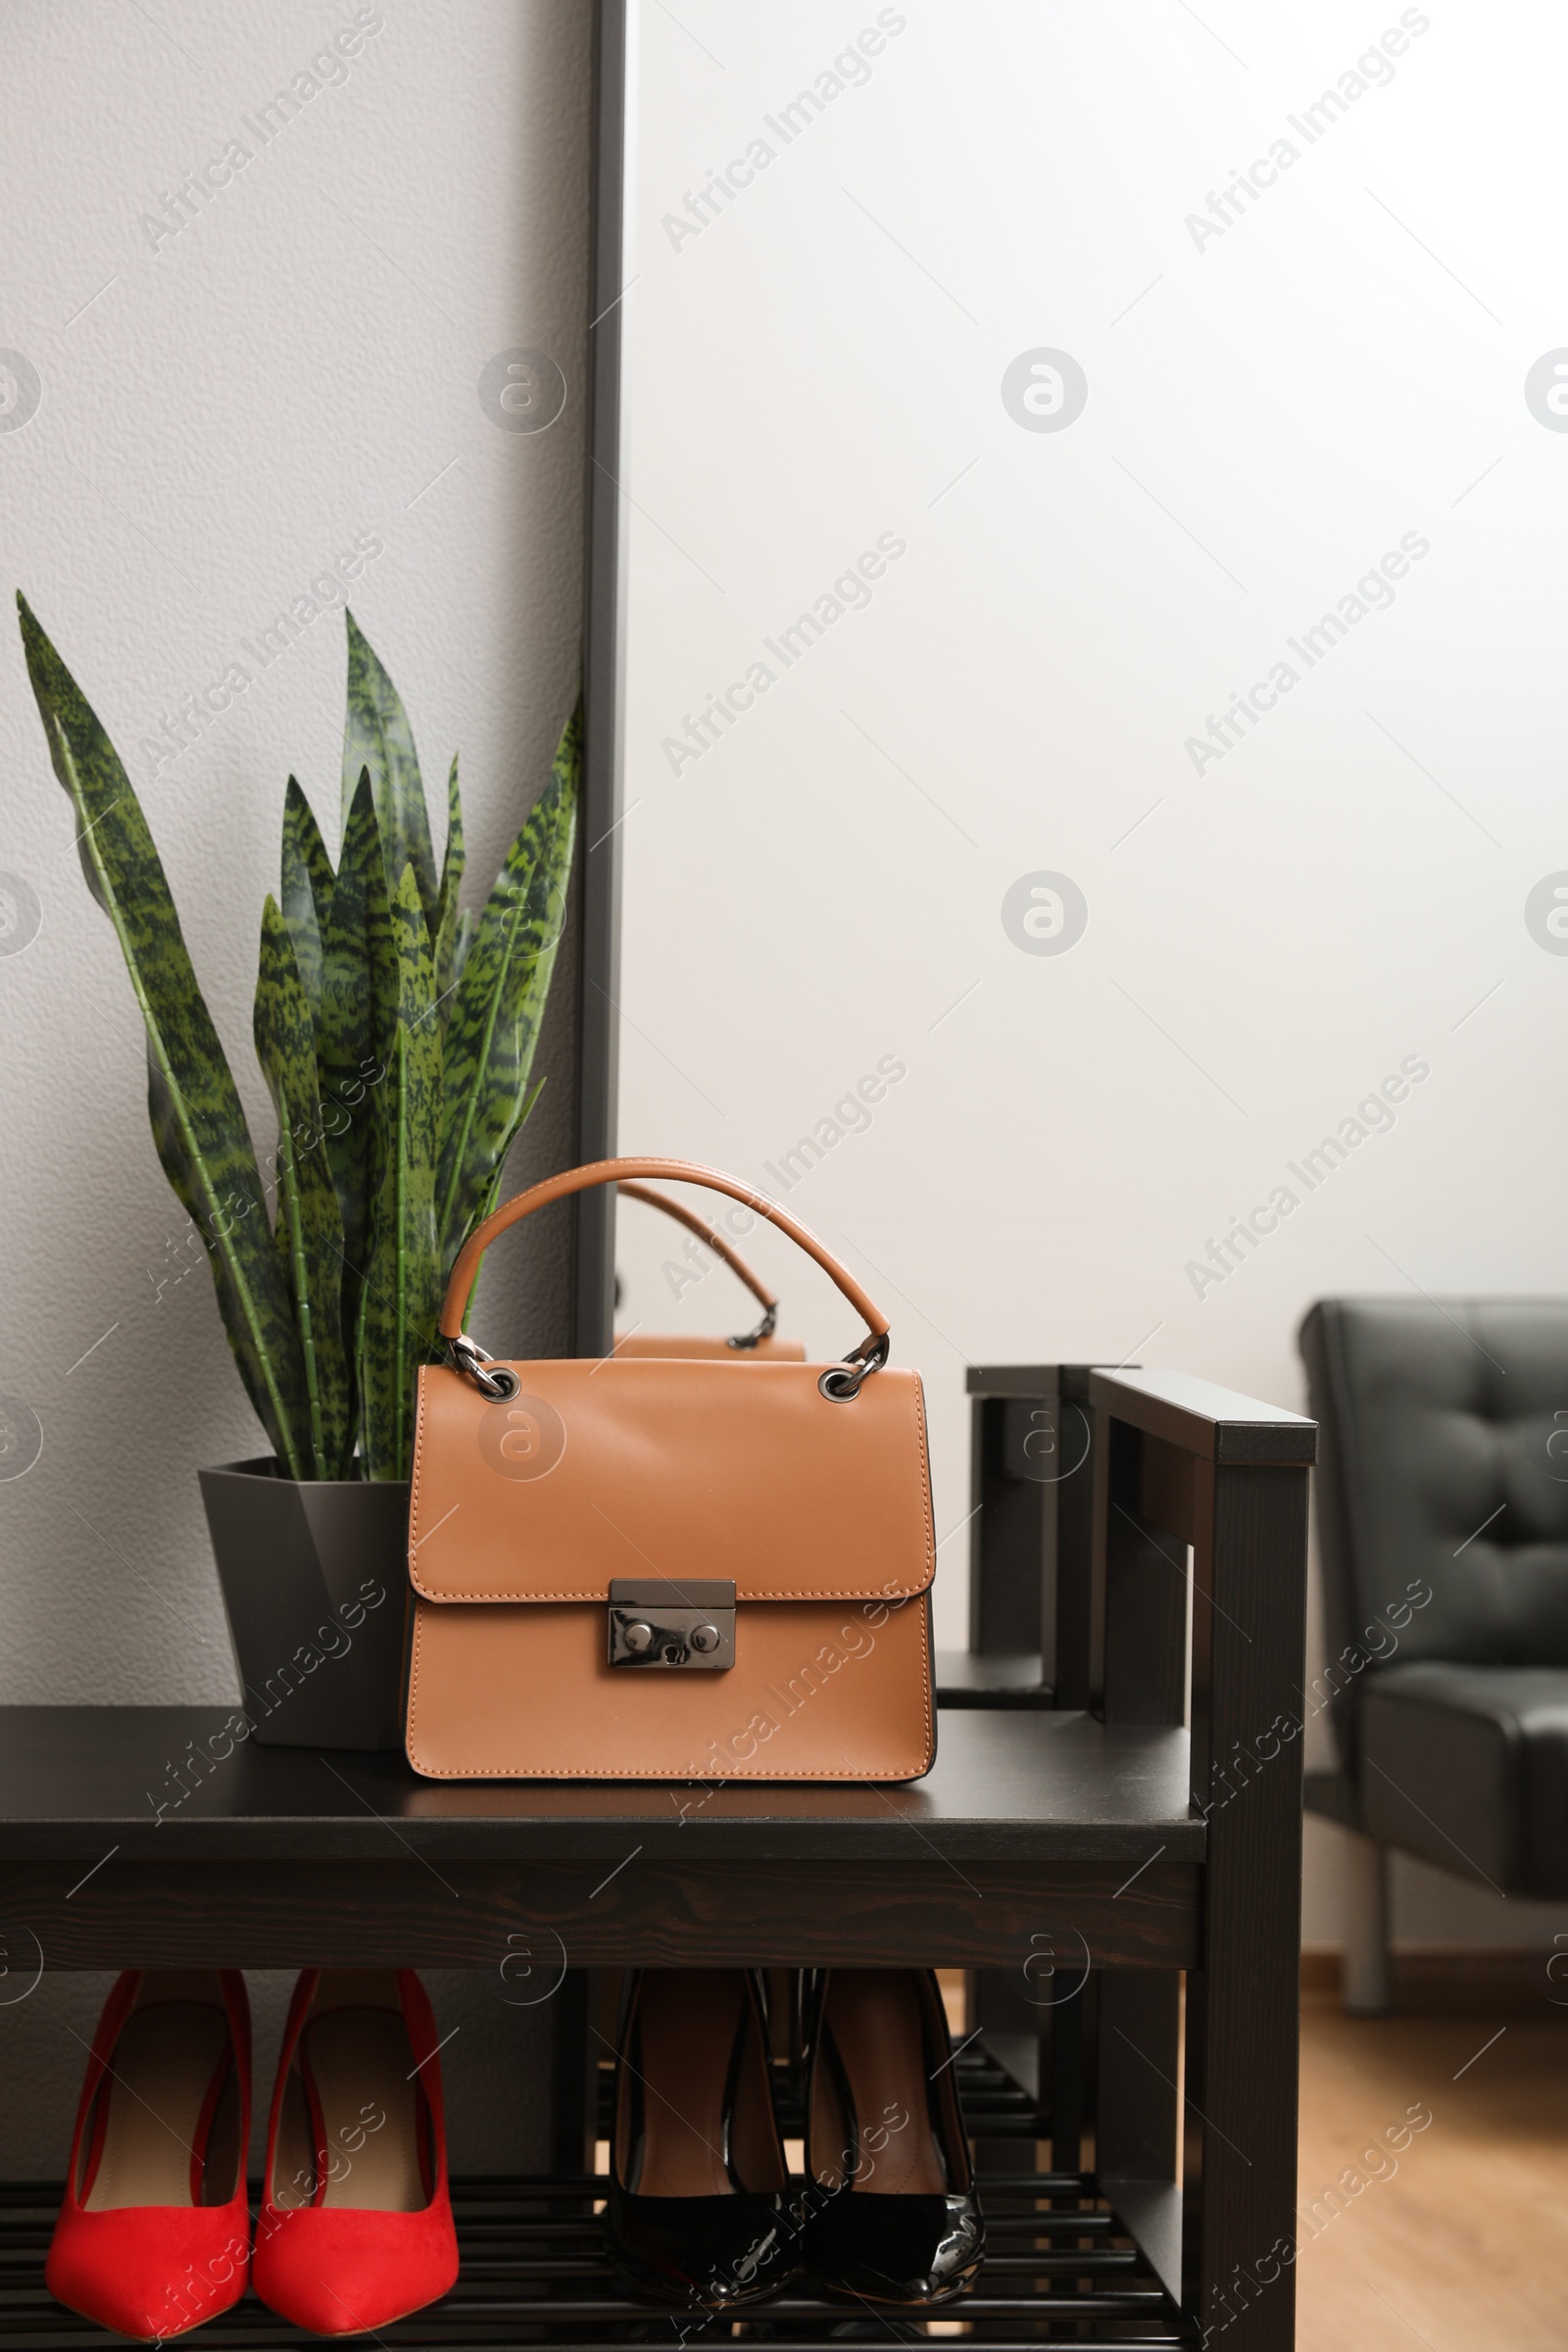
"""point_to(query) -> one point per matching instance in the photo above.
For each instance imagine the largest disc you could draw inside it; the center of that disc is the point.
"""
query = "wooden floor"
(1459, 2240)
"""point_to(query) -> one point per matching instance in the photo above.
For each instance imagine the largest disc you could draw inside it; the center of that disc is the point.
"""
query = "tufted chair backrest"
(1443, 1481)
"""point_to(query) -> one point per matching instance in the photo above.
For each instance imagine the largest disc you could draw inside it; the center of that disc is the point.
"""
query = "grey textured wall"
(222, 407)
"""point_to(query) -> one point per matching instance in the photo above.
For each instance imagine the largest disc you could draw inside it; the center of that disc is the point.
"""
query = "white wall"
(222, 410)
(1271, 409)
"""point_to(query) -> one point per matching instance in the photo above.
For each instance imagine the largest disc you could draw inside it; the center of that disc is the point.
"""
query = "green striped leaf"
(358, 1016)
(378, 736)
(306, 888)
(396, 1035)
(197, 1121)
(449, 924)
(468, 925)
(402, 1294)
(500, 1002)
(307, 1236)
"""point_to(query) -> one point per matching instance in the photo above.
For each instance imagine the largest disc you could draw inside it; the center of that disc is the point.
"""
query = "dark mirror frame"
(597, 990)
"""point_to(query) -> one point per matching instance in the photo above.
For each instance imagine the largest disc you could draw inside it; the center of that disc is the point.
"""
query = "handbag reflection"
(662, 1568)
(752, 1347)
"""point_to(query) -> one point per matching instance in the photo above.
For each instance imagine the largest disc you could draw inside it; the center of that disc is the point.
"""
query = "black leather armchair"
(1443, 1500)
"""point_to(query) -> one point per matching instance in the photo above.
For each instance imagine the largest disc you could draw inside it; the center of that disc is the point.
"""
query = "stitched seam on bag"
(779, 1780)
(600, 1598)
(413, 1692)
(922, 1455)
(414, 1489)
(922, 1458)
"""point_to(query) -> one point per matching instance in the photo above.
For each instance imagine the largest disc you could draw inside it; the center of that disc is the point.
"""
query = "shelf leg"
(1365, 1986)
(1071, 2067)
(1243, 2006)
(1135, 2112)
(574, 2073)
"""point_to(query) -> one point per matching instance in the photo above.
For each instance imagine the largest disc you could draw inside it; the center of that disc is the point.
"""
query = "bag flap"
(615, 1467)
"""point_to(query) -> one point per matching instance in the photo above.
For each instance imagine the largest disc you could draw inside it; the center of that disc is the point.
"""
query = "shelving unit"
(1058, 1851)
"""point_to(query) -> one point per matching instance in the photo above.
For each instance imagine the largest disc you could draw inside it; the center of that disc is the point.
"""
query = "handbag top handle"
(712, 1238)
(869, 1357)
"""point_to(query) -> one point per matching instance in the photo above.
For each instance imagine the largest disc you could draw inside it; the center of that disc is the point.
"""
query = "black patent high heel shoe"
(697, 2209)
(891, 2206)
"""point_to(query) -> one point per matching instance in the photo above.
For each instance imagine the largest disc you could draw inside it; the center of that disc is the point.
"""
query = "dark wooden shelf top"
(1034, 1381)
(1216, 1423)
(1009, 1786)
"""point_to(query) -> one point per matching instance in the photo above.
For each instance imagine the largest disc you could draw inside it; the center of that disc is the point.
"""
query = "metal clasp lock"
(656, 1622)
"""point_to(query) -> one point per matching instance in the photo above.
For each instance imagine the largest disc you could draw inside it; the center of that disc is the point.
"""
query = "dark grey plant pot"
(315, 1581)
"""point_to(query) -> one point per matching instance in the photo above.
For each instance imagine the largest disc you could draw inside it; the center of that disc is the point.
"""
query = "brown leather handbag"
(749, 1347)
(668, 1569)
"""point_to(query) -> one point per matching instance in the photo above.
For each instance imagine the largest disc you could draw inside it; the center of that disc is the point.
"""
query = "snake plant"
(396, 1033)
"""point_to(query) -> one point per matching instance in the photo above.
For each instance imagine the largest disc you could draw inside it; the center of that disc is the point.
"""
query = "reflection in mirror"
(1080, 472)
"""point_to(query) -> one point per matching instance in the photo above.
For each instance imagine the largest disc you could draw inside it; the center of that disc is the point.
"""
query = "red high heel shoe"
(355, 2222)
(153, 2233)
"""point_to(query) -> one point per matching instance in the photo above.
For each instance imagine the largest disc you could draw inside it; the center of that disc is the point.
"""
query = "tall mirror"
(1079, 463)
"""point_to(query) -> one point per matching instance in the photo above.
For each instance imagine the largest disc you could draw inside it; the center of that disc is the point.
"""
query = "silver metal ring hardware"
(842, 1383)
(488, 1377)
